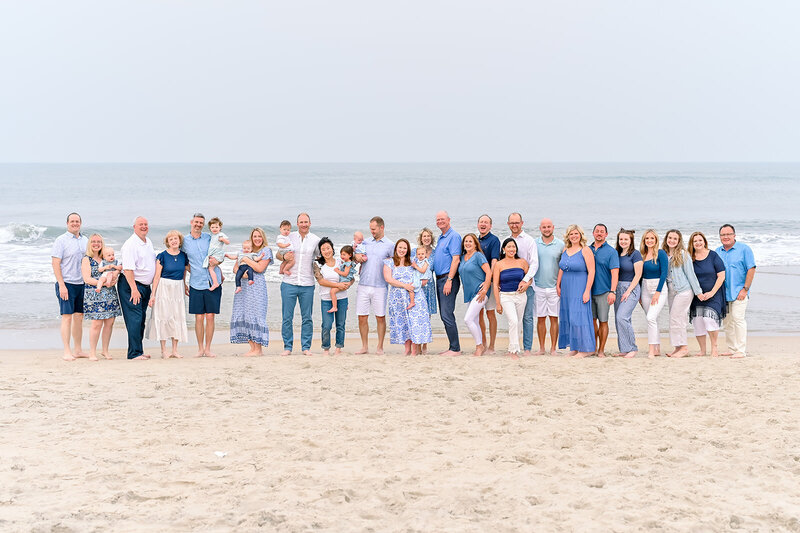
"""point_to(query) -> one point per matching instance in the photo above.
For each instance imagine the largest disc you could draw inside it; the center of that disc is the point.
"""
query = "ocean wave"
(15, 232)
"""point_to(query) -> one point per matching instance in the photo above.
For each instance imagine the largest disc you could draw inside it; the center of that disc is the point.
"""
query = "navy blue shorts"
(74, 303)
(204, 302)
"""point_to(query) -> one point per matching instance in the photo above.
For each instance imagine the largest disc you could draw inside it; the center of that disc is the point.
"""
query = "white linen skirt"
(168, 319)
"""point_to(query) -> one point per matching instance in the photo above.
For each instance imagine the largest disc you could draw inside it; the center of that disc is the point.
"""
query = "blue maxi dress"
(406, 324)
(575, 326)
(249, 315)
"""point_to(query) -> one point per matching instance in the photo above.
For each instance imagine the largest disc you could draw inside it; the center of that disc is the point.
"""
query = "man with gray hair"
(138, 271)
(446, 258)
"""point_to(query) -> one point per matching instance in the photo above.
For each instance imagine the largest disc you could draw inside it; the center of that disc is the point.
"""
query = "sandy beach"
(370, 443)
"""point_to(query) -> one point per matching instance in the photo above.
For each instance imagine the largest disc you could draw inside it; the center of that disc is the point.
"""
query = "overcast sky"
(517, 80)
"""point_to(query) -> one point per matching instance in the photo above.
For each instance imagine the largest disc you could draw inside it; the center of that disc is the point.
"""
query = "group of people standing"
(529, 280)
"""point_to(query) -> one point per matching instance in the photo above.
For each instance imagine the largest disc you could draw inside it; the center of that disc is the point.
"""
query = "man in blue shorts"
(203, 302)
(68, 251)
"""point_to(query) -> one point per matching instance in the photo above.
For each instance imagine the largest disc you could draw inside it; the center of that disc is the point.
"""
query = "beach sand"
(393, 443)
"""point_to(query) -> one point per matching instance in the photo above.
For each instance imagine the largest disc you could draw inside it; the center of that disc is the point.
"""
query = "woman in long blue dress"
(102, 308)
(411, 327)
(249, 316)
(574, 285)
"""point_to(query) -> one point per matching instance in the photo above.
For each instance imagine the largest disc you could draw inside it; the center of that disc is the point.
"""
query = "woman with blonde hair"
(426, 240)
(683, 285)
(168, 319)
(249, 315)
(654, 290)
(574, 287)
(102, 307)
(708, 308)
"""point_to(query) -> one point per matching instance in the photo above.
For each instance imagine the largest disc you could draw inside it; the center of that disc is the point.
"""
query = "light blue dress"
(249, 316)
(575, 326)
(406, 324)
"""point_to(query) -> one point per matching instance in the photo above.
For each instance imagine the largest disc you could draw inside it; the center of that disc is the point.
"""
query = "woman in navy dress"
(411, 327)
(574, 286)
(708, 308)
(249, 315)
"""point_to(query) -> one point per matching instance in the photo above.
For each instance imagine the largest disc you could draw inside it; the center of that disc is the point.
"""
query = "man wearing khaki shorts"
(604, 288)
(548, 248)
(490, 245)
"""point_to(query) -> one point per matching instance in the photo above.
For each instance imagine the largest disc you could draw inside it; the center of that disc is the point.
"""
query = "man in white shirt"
(138, 270)
(67, 254)
(298, 287)
(527, 250)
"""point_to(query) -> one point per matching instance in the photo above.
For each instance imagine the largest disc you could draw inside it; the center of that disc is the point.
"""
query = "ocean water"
(758, 199)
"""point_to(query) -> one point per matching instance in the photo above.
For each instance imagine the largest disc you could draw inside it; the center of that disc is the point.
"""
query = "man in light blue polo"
(372, 286)
(203, 302)
(446, 257)
(740, 269)
(67, 254)
(604, 288)
(548, 248)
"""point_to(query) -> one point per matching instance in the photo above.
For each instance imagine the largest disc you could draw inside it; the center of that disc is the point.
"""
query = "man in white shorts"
(549, 250)
(372, 287)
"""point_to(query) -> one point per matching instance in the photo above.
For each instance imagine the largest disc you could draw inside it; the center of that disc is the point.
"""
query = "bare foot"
(142, 357)
(572, 353)
(209, 353)
(238, 290)
(726, 353)
(540, 352)
(307, 352)
(176, 355)
(513, 355)
(200, 353)
(105, 355)
(601, 354)
(618, 354)
(451, 353)
(629, 355)
(526, 353)
(699, 354)
(68, 357)
(93, 357)
(337, 351)
(332, 310)
(738, 356)
(251, 282)
(553, 352)
(379, 351)
(682, 352)
(490, 350)
(362, 351)
(581, 355)
(410, 306)
(479, 351)
(326, 352)
(164, 355)
(252, 353)
(286, 352)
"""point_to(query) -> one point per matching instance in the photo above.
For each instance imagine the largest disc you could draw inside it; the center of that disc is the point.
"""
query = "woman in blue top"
(654, 289)
(476, 283)
(708, 308)
(683, 285)
(508, 271)
(574, 287)
(168, 319)
(628, 291)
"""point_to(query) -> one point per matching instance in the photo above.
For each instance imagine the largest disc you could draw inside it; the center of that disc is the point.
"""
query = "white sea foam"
(11, 233)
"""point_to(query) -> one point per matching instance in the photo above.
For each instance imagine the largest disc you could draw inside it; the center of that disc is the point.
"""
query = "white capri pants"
(679, 316)
(471, 318)
(649, 287)
(704, 324)
(514, 308)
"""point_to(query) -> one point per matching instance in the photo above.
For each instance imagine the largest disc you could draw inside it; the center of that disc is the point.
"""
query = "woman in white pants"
(506, 276)
(683, 286)
(654, 289)
(476, 283)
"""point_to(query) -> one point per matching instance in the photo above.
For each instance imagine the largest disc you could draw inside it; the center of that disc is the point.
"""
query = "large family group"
(528, 280)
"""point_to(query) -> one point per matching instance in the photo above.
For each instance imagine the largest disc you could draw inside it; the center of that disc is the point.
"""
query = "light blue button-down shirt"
(371, 274)
(738, 260)
(448, 246)
(197, 251)
(70, 249)
(549, 256)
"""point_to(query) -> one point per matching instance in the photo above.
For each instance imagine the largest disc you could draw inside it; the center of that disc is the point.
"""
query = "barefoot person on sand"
(445, 266)
(708, 308)
(490, 245)
(249, 314)
(203, 302)
(102, 307)
(548, 250)
(740, 268)
(168, 318)
(138, 269)
(574, 285)
(67, 254)
(325, 272)
(476, 279)
(410, 326)
(372, 287)
(507, 275)
(527, 250)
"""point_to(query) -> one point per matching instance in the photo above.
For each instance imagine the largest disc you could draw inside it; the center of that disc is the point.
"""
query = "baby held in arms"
(242, 269)
(110, 269)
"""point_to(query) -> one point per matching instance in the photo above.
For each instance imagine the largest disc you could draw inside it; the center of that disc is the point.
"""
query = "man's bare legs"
(72, 326)
(601, 335)
(204, 331)
(541, 330)
(363, 330)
